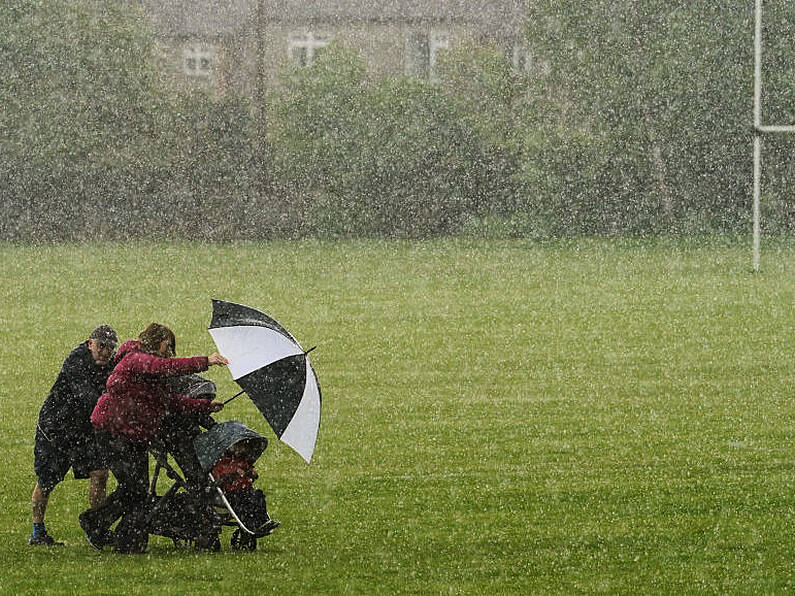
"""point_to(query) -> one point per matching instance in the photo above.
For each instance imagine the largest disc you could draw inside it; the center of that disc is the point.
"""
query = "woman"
(126, 418)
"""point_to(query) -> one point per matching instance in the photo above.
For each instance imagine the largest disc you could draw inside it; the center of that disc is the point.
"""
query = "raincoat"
(138, 395)
(64, 417)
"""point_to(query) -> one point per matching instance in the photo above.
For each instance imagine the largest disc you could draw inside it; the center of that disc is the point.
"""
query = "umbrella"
(272, 369)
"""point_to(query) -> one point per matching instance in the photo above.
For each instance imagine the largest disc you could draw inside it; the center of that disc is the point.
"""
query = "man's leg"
(39, 537)
(96, 488)
(50, 467)
(40, 499)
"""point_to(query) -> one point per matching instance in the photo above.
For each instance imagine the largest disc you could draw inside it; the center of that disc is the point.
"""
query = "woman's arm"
(189, 405)
(156, 366)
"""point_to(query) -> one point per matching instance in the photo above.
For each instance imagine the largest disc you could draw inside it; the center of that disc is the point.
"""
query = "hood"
(210, 445)
(129, 346)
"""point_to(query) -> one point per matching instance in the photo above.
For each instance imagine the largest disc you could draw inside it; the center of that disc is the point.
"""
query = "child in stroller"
(235, 475)
(227, 452)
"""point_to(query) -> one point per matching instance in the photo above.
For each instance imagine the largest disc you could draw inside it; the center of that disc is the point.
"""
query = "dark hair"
(153, 335)
(104, 335)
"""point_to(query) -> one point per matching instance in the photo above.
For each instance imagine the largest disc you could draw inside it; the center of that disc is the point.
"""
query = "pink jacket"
(137, 396)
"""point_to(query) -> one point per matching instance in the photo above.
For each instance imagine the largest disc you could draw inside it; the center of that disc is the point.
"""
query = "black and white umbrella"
(273, 370)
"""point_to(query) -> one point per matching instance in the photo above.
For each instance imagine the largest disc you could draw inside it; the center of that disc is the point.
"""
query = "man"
(64, 435)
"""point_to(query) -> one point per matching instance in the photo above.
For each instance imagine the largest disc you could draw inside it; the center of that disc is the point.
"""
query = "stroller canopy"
(210, 445)
(194, 386)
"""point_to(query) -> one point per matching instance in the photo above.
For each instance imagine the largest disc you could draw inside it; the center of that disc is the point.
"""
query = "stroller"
(194, 509)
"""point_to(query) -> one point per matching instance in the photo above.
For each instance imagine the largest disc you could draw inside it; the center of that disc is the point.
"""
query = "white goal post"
(760, 129)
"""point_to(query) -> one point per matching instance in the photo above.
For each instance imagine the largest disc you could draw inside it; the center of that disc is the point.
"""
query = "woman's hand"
(216, 406)
(216, 358)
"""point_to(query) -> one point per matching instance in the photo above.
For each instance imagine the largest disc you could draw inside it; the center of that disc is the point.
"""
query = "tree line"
(633, 118)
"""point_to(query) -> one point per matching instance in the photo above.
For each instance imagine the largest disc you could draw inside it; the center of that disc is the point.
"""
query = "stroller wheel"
(243, 541)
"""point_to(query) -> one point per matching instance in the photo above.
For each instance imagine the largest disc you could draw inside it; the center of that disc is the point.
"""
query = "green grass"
(498, 417)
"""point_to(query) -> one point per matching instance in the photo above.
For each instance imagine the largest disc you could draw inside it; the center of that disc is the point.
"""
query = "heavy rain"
(541, 251)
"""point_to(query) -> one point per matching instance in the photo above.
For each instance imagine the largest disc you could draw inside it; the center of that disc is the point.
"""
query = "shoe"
(43, 540)
(99, 538)
(131, 536)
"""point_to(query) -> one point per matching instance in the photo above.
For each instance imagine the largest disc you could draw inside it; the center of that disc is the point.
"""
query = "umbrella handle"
(233, 397)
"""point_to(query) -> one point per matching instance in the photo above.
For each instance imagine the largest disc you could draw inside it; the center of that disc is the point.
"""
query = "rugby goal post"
(759, 130)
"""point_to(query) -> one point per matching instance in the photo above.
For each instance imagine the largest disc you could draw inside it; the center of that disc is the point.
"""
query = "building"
(223, 44)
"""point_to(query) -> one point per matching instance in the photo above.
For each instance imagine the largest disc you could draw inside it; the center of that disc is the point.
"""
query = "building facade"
(225, 44)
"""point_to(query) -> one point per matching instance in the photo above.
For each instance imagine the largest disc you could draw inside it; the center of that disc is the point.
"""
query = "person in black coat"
(64, 435)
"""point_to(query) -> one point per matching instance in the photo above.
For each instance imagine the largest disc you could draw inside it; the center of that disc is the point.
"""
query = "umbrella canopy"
(210, 445)
(274, 371)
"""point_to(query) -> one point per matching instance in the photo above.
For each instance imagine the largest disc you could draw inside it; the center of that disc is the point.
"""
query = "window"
(304, 48)
(197, 60)
(438, 42)
(524, 62)
(520, 57)
(417, 59)
(422, 50)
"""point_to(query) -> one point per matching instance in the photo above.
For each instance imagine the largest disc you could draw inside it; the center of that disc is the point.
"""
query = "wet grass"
(499, 417)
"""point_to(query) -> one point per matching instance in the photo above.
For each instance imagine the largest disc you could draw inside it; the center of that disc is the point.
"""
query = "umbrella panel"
(250, 348)
(230, 314)
(276, 390)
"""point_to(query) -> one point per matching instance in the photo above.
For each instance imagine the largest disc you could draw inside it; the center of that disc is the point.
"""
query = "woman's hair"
(151, 337)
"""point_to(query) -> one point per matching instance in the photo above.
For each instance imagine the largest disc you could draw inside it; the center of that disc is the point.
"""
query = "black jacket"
(66, 412)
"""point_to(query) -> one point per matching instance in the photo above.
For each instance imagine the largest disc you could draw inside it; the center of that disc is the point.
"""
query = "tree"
(374, 156)
(502, 106)
(660, 90)
(79, 119)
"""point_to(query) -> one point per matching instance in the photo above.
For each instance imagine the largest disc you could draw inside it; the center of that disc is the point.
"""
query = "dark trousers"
(176, 437)
(129, 464)
(192, 509)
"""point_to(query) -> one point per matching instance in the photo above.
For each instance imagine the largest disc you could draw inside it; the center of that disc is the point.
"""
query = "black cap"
(105, 336)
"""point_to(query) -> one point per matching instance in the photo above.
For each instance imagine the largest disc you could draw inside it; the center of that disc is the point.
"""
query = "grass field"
(498, 417)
